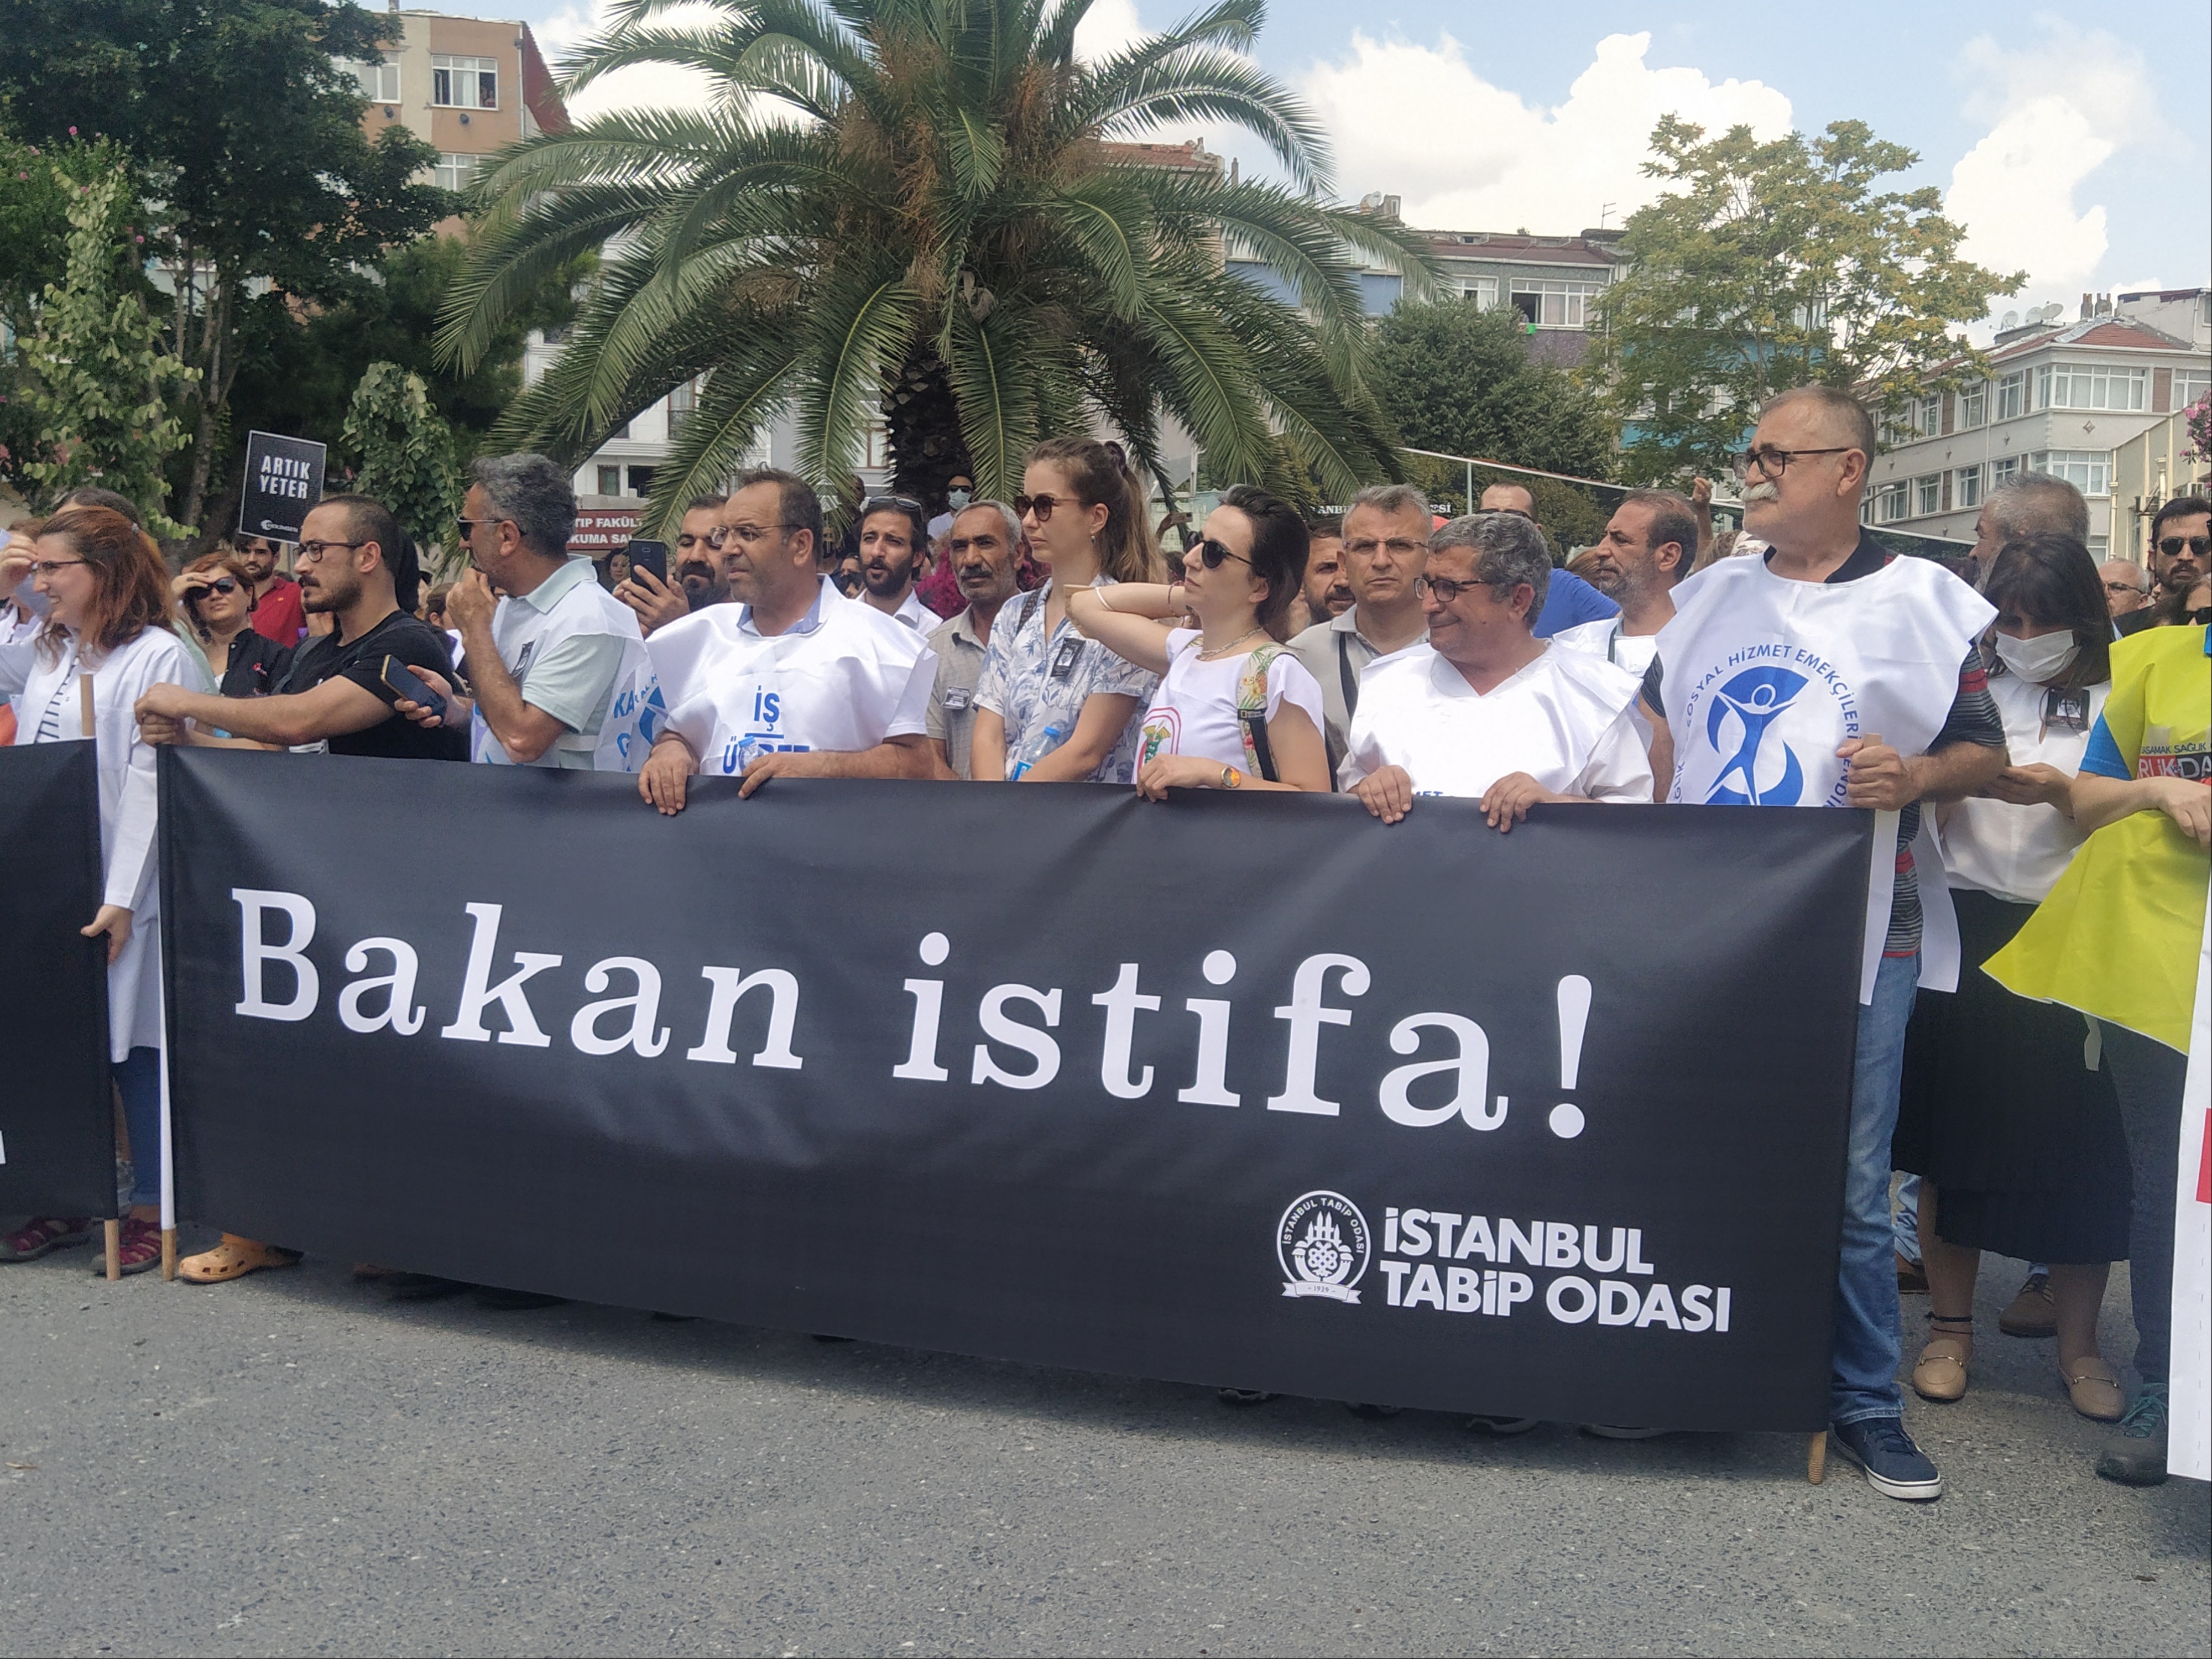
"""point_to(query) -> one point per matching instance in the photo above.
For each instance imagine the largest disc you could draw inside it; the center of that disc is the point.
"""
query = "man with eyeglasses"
(1571, 601)
(2180, 544)
(1827, 673)
(557, 663)
(794, 679)
(356, 566)
(1486, 710)
(1384, 548)
(2127, 587)
(697, 569)
(984, 546)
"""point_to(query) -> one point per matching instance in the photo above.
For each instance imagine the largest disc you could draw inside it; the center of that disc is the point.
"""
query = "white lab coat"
(129, 866)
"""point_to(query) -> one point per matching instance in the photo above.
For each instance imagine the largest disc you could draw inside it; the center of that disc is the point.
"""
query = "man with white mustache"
(985, 543)
(1827, 673)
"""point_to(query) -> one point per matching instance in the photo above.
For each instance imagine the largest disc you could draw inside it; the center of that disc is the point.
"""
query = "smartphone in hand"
(412, 686)
(649, 556)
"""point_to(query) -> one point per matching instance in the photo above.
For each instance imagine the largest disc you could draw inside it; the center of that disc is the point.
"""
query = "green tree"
(1770, 265)
(405, 452)
(246, 127)
(101, 385)
(906, 205)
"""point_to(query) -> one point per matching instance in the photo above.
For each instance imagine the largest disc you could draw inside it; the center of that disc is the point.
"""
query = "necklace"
(1205, 656)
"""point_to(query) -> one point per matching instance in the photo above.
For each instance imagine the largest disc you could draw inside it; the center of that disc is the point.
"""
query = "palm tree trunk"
(924, 423)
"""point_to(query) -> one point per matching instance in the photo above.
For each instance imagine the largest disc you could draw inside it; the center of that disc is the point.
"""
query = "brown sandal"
(234, 1258)
(1940, 1373)
(2094, 1388)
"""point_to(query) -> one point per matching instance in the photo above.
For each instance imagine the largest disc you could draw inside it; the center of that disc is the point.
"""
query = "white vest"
(521, 630)
(1766, 678)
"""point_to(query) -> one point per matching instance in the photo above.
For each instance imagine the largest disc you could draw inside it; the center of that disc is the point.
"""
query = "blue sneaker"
(2135, 1455)
(1895, 1467)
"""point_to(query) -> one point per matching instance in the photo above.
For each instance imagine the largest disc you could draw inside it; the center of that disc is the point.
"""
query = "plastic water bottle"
(1036, 749)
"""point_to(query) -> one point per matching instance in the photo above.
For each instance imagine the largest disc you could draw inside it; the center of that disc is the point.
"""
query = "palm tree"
(916, 205)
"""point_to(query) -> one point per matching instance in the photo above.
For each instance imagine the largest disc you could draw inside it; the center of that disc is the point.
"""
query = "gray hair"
(1509, 549)
(1389, 498)
(1007, 516)
(1846, 416)
(535, 496)
(2037, 504)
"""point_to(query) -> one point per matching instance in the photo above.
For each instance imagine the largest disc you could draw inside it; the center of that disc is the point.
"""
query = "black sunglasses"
(896, 503)
(220, 584)
(1040, 505)
(1210, 553)
(2172, 545)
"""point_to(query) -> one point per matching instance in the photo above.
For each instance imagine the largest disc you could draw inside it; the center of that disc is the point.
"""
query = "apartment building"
(469, 86)
(2060, 397)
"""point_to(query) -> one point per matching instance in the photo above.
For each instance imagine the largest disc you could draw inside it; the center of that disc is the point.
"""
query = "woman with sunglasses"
(1235, 711)
(1051, 706)
(108, 637)
(217, 598)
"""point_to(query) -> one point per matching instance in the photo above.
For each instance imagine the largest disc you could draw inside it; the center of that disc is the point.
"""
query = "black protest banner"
(56, 1104)
(283, 479)
(1247, 1091)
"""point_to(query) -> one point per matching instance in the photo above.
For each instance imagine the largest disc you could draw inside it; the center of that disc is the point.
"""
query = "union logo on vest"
(1755, 699)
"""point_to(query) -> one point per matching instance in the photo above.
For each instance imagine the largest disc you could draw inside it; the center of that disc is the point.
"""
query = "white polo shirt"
(1566, 720)
(843, 679)
(1604, 638)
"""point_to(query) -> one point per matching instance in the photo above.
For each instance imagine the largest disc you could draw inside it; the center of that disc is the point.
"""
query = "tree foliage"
(906, 205)
(1769, 265)
(100, 383)
(245, 128)
(405, 452)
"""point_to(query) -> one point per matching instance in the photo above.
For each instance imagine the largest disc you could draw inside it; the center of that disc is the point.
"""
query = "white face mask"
(955, 499)
(2039, 660)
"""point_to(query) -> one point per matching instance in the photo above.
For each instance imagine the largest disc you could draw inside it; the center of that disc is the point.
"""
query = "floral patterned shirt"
(1034, 682)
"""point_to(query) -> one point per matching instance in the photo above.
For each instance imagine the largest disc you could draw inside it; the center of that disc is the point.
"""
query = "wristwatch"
(1231, 778)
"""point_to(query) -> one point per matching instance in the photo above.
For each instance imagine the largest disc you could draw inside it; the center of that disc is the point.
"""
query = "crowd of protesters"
(2003, 721)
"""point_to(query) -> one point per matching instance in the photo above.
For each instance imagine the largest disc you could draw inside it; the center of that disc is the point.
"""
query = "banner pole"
(87, 727)
(114, 1230)
(168, 1172)
(1816, 1459)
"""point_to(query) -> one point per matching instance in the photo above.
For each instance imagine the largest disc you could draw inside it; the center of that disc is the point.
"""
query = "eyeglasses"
(2123, 587)
(896, 503)
(1367, 547)
(2200, 617)
(1770, 462)
(752, 535)
(2172, 545)
(1444, 589)
(47, 567)
(1211, 554)
(1042, 506)
(311, 552)
(468, 527)
(220, 584)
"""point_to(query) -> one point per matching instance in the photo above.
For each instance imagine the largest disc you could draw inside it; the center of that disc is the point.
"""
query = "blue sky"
(2070, 149)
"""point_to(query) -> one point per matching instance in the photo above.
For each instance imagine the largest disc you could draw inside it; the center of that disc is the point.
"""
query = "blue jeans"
(1904, 1219)
(1863, 1381)
(138, 1080)
(2149, 1076)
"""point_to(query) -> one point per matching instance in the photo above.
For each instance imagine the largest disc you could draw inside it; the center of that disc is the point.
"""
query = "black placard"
(808, 1156)
(284, 480)
(56, 1104)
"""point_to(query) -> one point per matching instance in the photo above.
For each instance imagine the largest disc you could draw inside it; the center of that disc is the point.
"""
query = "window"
(2100, 548)
(379, 80)
(1928, 414)
(2190, 384)
(610, 481)
(1890, 502)
(455, 173)
(641, 480)
(1928, 494)
(2091, 385)
(879, 447)
(2012, 395)
(2004, 471)
(463, 82)
(1555, 305)
(2089, 471)
(1966, 487)
(1483, 290)
(1974, 406)
(681, 402)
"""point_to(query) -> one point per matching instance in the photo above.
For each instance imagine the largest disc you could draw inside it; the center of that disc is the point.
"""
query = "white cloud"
(1464, 154)
(2056, 110)
(643, 86)
(1106, 29)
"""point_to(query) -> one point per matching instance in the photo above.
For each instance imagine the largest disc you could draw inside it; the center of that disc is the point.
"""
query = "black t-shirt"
(415, 643)
(257, 665)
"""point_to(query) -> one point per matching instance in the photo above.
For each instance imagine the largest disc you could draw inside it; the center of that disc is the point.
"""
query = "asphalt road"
(294, 1463)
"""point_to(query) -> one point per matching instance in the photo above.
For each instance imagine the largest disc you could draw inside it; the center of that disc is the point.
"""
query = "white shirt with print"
(1194, 711)
(844, 678)
(1566, 720)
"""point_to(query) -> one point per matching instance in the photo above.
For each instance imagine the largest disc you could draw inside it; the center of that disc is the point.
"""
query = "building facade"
(2061, 399)
(468, 86)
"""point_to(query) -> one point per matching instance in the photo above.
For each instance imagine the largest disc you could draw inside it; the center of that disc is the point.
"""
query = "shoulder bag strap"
(1252, 711)
(1346, 677)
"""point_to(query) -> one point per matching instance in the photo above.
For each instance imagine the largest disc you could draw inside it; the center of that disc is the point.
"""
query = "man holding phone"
(699, 580)
(558, 663)
(357, 566)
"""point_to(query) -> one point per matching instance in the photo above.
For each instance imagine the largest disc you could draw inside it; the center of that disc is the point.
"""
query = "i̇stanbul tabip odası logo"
(1756, 773)
(1323, 1246)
